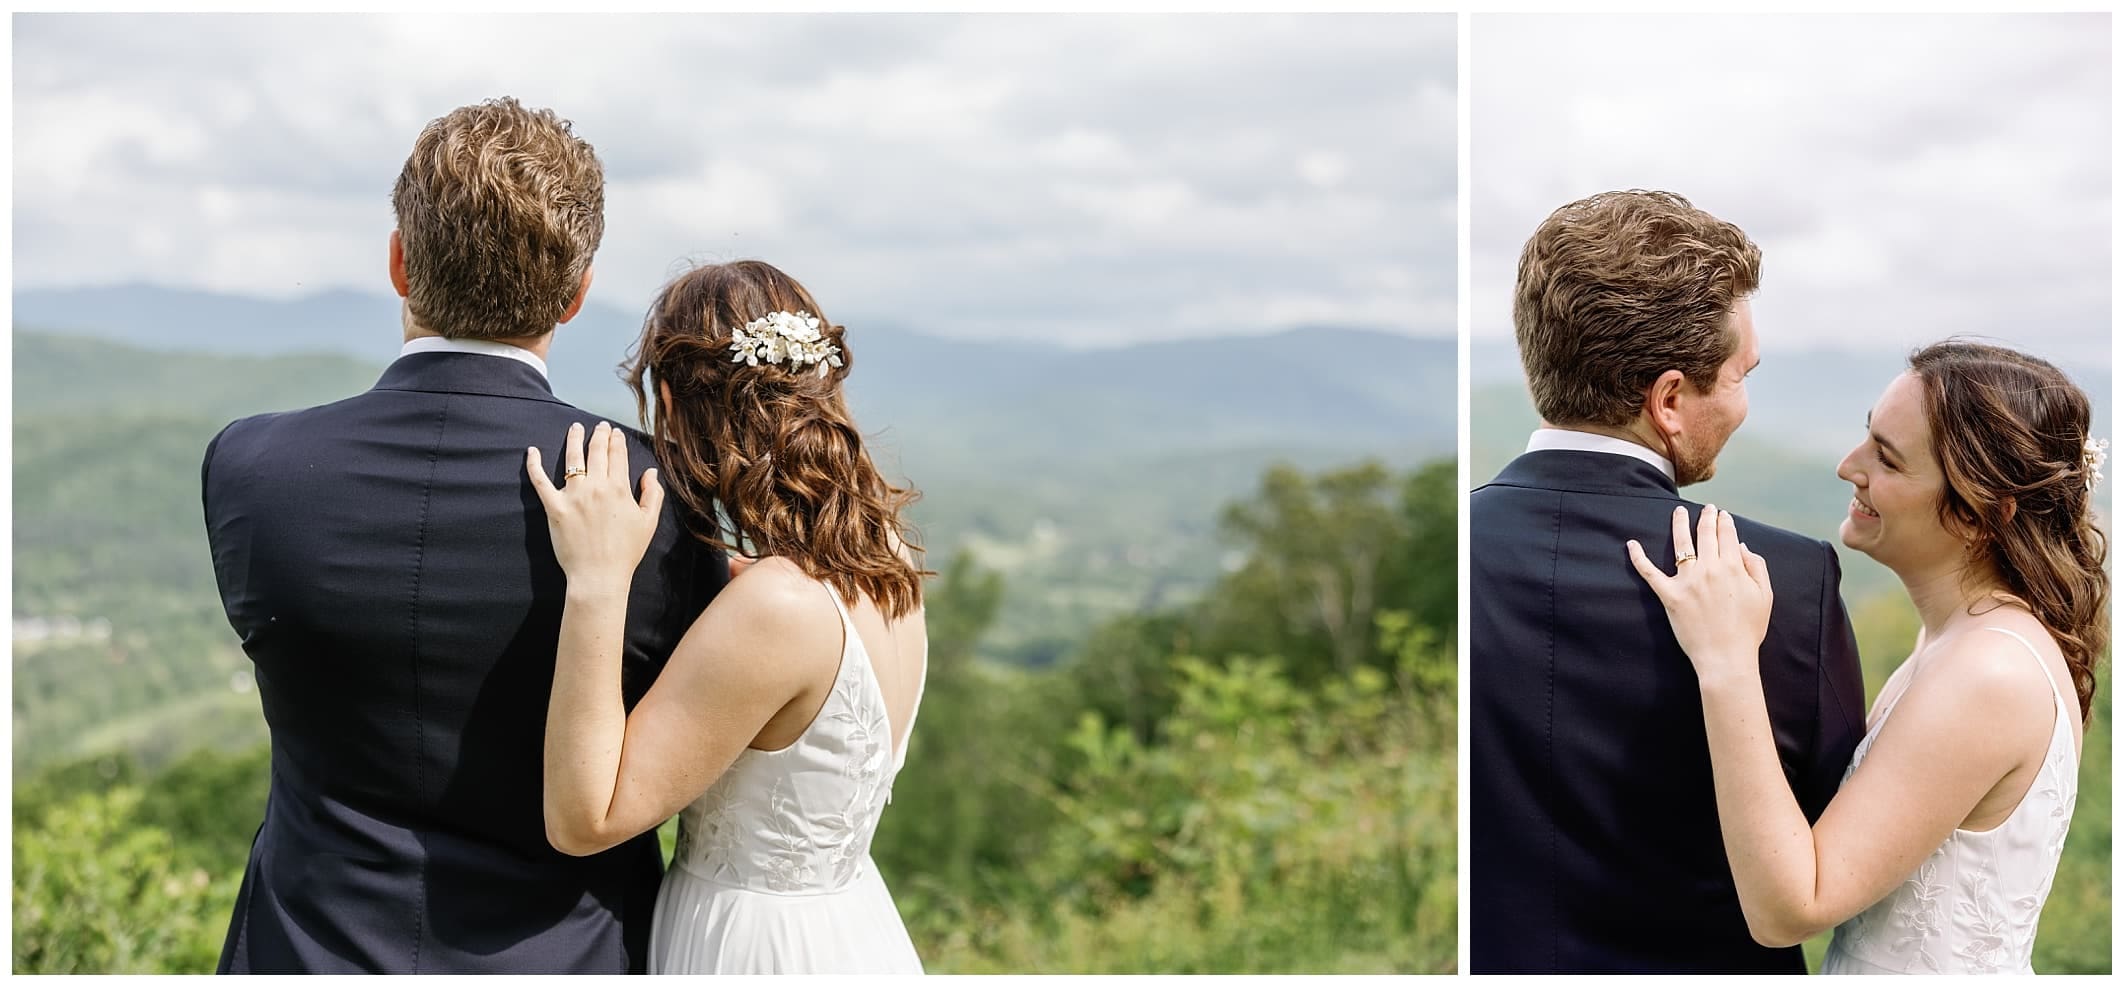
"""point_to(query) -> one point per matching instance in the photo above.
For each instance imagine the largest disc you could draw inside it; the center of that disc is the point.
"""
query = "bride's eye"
(1883, 460)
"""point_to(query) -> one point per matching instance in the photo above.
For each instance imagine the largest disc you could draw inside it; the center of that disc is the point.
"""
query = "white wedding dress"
(773, 871)
(1972, 906)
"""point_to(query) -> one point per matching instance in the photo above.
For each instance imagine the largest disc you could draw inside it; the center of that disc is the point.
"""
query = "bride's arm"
(609, 775)
(1952, 739)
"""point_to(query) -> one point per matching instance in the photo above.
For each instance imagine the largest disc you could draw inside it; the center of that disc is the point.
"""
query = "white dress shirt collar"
(485, 347)
(1572, 441)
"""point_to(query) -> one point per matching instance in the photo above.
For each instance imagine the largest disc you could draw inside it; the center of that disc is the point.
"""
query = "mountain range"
(1015, 402)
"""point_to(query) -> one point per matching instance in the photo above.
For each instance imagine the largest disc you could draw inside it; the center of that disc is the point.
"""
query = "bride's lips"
(1861, 511)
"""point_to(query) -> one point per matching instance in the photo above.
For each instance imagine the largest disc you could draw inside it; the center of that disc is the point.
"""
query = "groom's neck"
(1624, 432)
(535, 345)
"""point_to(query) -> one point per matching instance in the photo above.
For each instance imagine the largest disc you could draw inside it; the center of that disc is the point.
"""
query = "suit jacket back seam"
(1555, 832)
(420, 748)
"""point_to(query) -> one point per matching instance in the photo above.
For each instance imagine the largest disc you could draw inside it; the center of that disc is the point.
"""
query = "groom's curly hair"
(2010, 433)
(1619, 288)
(774, 447)
(500, 209)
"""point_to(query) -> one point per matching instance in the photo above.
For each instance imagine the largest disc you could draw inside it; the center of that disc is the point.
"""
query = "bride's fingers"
(535, 466)
(600, 446)
(1728, 536)
(572, 451)
(652, 494)
(1683, 543)
(616, 460)
(1707, 534)
(1758, 568)
(1645, 568)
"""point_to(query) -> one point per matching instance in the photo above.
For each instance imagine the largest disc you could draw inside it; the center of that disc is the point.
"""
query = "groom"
(387, 565)
(1594, 834)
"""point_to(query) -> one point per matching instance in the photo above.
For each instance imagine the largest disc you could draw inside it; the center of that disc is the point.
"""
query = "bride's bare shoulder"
(774, 586)
(775, 605)
(1992, 680)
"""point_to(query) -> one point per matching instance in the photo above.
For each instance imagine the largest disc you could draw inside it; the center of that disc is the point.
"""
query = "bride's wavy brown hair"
(2010, 431)
(772, 445)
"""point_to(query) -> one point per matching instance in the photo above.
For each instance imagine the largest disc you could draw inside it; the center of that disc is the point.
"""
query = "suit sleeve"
(217, 547)
(207, 468)
(1840, 719)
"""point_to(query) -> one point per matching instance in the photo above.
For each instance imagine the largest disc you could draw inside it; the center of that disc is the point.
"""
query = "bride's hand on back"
(599, 530)
(1718, 600)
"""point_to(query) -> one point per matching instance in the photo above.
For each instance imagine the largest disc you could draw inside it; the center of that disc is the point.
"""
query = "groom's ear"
(581, 292)
(398, 266)
(1663, 402)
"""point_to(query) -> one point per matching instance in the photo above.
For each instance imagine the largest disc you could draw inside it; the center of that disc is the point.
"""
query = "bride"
(779, 723)
(1974, 484)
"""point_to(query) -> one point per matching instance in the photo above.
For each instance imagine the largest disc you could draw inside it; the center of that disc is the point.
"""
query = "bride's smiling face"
(1897, 485)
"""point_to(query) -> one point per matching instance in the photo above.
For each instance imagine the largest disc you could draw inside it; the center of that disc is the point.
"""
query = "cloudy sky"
(1083, 179)
(1908, 177)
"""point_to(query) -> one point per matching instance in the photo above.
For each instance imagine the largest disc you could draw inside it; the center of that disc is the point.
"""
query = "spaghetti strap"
(838, 606)
(848, 628)
(2040, 663)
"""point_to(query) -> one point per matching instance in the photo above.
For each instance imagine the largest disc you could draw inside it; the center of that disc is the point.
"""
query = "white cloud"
(1085, 149)
(1322, 169)
(1908, 177)
(1051, 176)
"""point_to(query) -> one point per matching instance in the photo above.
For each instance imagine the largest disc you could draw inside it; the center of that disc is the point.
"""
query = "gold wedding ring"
(570, 474)
(1685, 557)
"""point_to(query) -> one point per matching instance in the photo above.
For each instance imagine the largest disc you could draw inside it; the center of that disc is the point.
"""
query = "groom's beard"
(1688, 466)
(1686, 473)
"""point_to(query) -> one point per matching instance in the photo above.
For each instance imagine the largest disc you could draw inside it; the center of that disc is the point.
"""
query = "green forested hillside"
(69, 376)
(119, 638)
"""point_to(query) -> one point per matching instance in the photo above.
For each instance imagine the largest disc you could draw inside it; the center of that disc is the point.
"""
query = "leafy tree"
(1310, 582)
(1124, 671)
(1422, 576)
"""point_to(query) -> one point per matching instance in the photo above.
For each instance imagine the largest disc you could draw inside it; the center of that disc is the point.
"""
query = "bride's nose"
(1848, 470)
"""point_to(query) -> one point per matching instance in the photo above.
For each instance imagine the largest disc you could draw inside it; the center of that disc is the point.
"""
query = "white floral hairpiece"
(779, 337)
(2092, 456)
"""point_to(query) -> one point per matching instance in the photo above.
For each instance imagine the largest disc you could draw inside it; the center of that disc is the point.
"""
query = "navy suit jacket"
(1594, 831)
(388, 568)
